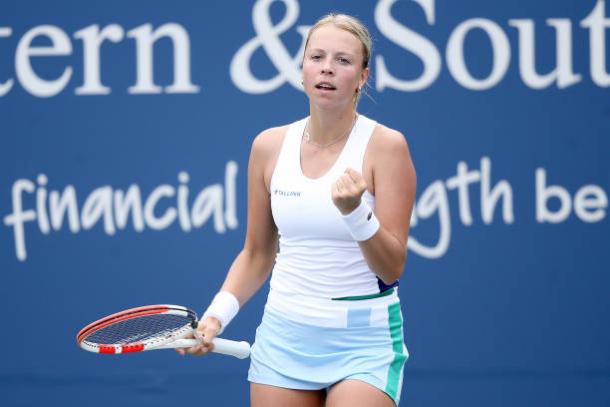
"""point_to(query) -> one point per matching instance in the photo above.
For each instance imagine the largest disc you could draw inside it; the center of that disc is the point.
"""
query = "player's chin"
(332, 103)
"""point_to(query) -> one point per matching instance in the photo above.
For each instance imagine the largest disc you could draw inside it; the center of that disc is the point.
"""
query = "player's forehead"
(330, 38)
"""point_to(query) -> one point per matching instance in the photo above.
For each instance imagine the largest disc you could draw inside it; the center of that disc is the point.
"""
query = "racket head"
(137, 329)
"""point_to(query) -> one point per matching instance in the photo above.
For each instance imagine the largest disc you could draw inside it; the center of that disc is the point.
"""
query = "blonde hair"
(351, 25)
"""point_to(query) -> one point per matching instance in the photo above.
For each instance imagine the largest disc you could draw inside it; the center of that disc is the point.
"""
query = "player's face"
(332, 67)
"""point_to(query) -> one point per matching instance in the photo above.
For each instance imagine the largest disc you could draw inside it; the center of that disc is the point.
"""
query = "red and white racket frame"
(240, 349)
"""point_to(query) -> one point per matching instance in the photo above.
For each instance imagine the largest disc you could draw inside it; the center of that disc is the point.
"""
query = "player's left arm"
(394, 182)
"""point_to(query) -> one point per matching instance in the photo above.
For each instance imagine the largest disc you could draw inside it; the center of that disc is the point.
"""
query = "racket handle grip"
(238, 349)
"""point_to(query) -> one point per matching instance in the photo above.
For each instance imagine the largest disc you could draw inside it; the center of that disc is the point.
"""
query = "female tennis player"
(337, 190)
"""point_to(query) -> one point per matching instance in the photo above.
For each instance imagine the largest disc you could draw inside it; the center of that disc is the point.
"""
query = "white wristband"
(362, 222)
(224, 307)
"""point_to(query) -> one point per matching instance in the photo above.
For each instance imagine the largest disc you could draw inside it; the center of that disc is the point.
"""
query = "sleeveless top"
(317, 256)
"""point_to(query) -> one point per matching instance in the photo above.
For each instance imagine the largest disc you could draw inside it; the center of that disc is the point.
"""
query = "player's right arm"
(253, 264)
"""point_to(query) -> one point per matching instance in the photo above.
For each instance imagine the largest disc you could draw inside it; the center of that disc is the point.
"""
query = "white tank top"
(317, 256)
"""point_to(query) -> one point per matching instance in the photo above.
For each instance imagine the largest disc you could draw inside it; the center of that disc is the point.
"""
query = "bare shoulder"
(392, 168)
(388, 158)
(265, 151)
(267, 143)
(385, 140)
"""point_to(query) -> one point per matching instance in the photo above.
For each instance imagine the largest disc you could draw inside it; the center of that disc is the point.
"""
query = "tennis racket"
(150, 328)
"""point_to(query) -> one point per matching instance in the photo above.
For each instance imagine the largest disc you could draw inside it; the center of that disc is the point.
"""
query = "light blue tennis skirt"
(297, 355)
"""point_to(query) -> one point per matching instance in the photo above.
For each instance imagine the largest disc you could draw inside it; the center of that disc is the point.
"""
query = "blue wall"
(505, 291)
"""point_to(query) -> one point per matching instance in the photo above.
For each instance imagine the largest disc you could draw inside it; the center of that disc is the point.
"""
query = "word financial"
(113, 208)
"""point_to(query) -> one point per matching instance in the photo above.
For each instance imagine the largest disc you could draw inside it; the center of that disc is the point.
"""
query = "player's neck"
(325, 126)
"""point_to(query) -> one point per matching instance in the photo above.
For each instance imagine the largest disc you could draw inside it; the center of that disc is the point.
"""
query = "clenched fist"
(347, 191)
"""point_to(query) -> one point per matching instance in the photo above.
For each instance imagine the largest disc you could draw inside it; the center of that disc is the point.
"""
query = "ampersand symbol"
(267, 36)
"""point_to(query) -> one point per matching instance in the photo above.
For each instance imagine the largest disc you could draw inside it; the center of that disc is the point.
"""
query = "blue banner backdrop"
(125, 133)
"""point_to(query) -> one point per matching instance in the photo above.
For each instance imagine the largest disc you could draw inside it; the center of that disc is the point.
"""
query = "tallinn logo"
(280, 192)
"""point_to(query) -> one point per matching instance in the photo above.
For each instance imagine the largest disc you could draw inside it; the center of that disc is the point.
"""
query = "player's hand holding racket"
(206, 332)
(157, 327)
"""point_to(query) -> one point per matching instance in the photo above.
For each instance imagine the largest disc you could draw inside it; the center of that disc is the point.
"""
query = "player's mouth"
(325, 86)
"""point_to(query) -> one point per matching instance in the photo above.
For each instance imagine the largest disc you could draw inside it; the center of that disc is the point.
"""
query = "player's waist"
(336, 311)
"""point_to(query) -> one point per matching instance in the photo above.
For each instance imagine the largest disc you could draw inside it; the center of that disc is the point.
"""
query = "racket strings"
(139, 329)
